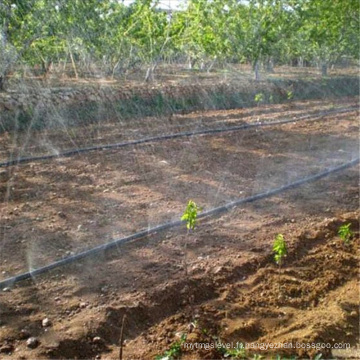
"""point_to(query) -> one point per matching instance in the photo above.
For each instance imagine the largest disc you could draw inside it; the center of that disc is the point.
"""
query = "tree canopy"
(111, 36)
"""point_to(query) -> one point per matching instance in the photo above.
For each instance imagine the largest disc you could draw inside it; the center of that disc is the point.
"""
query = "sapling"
(279, 248)
(190, 216)
(259, 98)
(345, 233)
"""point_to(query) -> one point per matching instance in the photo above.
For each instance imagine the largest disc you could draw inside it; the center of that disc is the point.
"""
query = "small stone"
(61, 214)
(97, 340)
(83, 305)
(32, 342)
(6, 289)
(46, 322)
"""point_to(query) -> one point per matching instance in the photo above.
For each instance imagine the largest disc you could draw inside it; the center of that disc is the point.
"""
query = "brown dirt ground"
(233, 290)
(174, 75)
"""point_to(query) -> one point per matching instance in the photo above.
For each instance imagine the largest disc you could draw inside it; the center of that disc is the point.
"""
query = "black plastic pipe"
(142, 234)
(169, 136)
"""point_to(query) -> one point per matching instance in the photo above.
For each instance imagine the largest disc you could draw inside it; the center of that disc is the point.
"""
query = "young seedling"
(259, 98)
(279, 357)
(345, 233)
(257, 357)
(236, 353)
(280, 249)
(190, 215)
(174, 352)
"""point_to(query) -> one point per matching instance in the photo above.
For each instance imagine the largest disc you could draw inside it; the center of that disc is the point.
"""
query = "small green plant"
(236, 353)
(345, 233)
(205, 331)
(259, 98)
(257, 357)
(290, 95)
(279, 248)
(279, 357)
(190, 215)
(174, 352)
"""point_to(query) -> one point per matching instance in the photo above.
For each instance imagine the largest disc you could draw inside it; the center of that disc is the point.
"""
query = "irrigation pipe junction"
(145, 233)
(172, 136)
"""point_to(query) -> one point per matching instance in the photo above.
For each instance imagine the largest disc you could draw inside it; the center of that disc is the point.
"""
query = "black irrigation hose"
(216, 211)
(170, 136)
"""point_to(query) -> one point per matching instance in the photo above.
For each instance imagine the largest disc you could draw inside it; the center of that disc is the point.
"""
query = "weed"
(205, 331)
(174, 352)
(345, 233)
(236, 353)
(257, 357)
(279, 248)
(290, 95)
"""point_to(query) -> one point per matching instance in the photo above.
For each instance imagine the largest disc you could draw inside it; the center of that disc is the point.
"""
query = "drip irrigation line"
(72, 152)
(145, 233)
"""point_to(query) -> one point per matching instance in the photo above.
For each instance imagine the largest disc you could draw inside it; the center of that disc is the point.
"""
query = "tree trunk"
(211, 66)
(191, 63)
(150, 73)
(2, 83)
(256, 69)
(115, 68)
(73, 64)
(324, 69)
(270, 66)
(46, 67)
(300, 62)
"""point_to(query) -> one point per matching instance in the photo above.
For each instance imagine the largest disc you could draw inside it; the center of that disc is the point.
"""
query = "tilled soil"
(223, 284)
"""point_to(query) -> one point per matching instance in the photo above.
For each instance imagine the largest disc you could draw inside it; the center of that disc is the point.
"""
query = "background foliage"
(109, 37)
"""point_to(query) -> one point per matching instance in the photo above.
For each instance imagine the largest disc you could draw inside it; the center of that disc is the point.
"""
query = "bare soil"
(224, 283)
(174, 75)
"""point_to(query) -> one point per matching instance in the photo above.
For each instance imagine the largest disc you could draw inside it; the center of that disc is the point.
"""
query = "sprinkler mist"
(114, 113)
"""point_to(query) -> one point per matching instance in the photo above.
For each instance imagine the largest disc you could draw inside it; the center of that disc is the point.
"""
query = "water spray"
(172, 136)
(145, 233)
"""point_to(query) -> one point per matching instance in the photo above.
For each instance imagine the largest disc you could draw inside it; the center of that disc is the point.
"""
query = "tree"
(330, 28)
